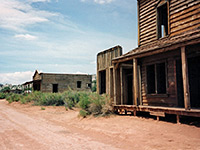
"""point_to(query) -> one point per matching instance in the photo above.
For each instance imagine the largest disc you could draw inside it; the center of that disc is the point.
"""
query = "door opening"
(194, 81)
(179, 82)
(102, 76)
(55, 88)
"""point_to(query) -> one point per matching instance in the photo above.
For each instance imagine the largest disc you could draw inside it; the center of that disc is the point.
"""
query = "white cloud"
(25, 36)
(100, 1)
(103, 1)
(16, 15)
(40, 1)
(16, 77)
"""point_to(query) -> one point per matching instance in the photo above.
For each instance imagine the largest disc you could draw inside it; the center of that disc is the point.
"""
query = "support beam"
(185, 78)
(121, 84)
(178, 119)
(114, 84)
(135, 81)
(139, 86)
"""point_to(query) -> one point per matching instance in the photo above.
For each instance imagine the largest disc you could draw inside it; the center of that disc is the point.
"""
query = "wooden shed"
(105, 70)
(162, 75)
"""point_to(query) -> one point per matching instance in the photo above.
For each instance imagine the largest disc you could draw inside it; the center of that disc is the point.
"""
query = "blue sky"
(61, 36)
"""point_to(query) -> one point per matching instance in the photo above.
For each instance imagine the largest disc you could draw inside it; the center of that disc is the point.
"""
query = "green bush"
(13, 97)
(71, 98)
(84, 101)
(23, 100)
(2, 95)
(90, 103)
(83, 113)
(95, 104)
(42, 108)
(46, 99)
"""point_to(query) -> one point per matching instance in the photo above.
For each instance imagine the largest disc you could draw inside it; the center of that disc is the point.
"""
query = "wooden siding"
(104, 59)
(170, 98)
(104, 62)
(184, 15)
(37, 76)
(147, 21)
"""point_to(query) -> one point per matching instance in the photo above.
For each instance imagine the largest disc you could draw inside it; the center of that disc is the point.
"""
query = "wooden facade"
(183, 16)
(163, 73)
(105, 74)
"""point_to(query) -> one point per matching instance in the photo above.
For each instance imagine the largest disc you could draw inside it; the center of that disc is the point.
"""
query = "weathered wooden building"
(27, 87)
(50, 82)
(105, 70)
(162, 75)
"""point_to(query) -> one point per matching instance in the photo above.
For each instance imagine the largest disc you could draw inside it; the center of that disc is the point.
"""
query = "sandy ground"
(26, 127)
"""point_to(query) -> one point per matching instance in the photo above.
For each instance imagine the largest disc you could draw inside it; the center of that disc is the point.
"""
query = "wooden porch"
(157, 111)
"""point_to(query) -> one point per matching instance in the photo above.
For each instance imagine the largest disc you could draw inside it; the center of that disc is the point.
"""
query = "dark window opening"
(55, 88)
(162, 21)
(89, 85)
(156, 79)
(78, 84)
(161, 78)
(151, 79)
(102, 76)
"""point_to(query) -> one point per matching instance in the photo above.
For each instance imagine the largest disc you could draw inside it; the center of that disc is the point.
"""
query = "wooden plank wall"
(147, 21)
(104, 62)
(37, 77)
(184, 15)
(171, 98)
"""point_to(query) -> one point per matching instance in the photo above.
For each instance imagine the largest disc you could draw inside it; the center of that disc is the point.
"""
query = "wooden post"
(139, 86)
(135, 81)
(178, 119)
(157, 118)
(185, 79)
(115, 89)
(121, 84)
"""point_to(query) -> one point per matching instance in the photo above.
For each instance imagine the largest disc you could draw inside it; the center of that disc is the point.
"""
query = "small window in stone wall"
(78, 84)
(88, 85)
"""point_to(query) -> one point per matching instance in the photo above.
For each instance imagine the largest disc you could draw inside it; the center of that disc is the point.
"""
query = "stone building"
(51, 82)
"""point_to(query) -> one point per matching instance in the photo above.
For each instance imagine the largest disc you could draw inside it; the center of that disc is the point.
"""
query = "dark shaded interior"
(194, 81)
(102, 75)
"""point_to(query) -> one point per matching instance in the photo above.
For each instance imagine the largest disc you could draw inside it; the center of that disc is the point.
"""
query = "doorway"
(55, 88)
(194, 81)
(179, 82)
(128, 84)
(102, 77)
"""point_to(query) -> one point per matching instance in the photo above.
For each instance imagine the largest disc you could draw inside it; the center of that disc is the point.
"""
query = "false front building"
(162, 75)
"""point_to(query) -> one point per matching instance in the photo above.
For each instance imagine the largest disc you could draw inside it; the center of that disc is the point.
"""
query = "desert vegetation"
(88, 102)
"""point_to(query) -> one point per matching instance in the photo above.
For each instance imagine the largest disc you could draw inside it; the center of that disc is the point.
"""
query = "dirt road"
(26, 127)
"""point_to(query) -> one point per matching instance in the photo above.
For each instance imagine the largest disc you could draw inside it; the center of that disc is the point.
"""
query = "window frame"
(156, 94)
(161, 4)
